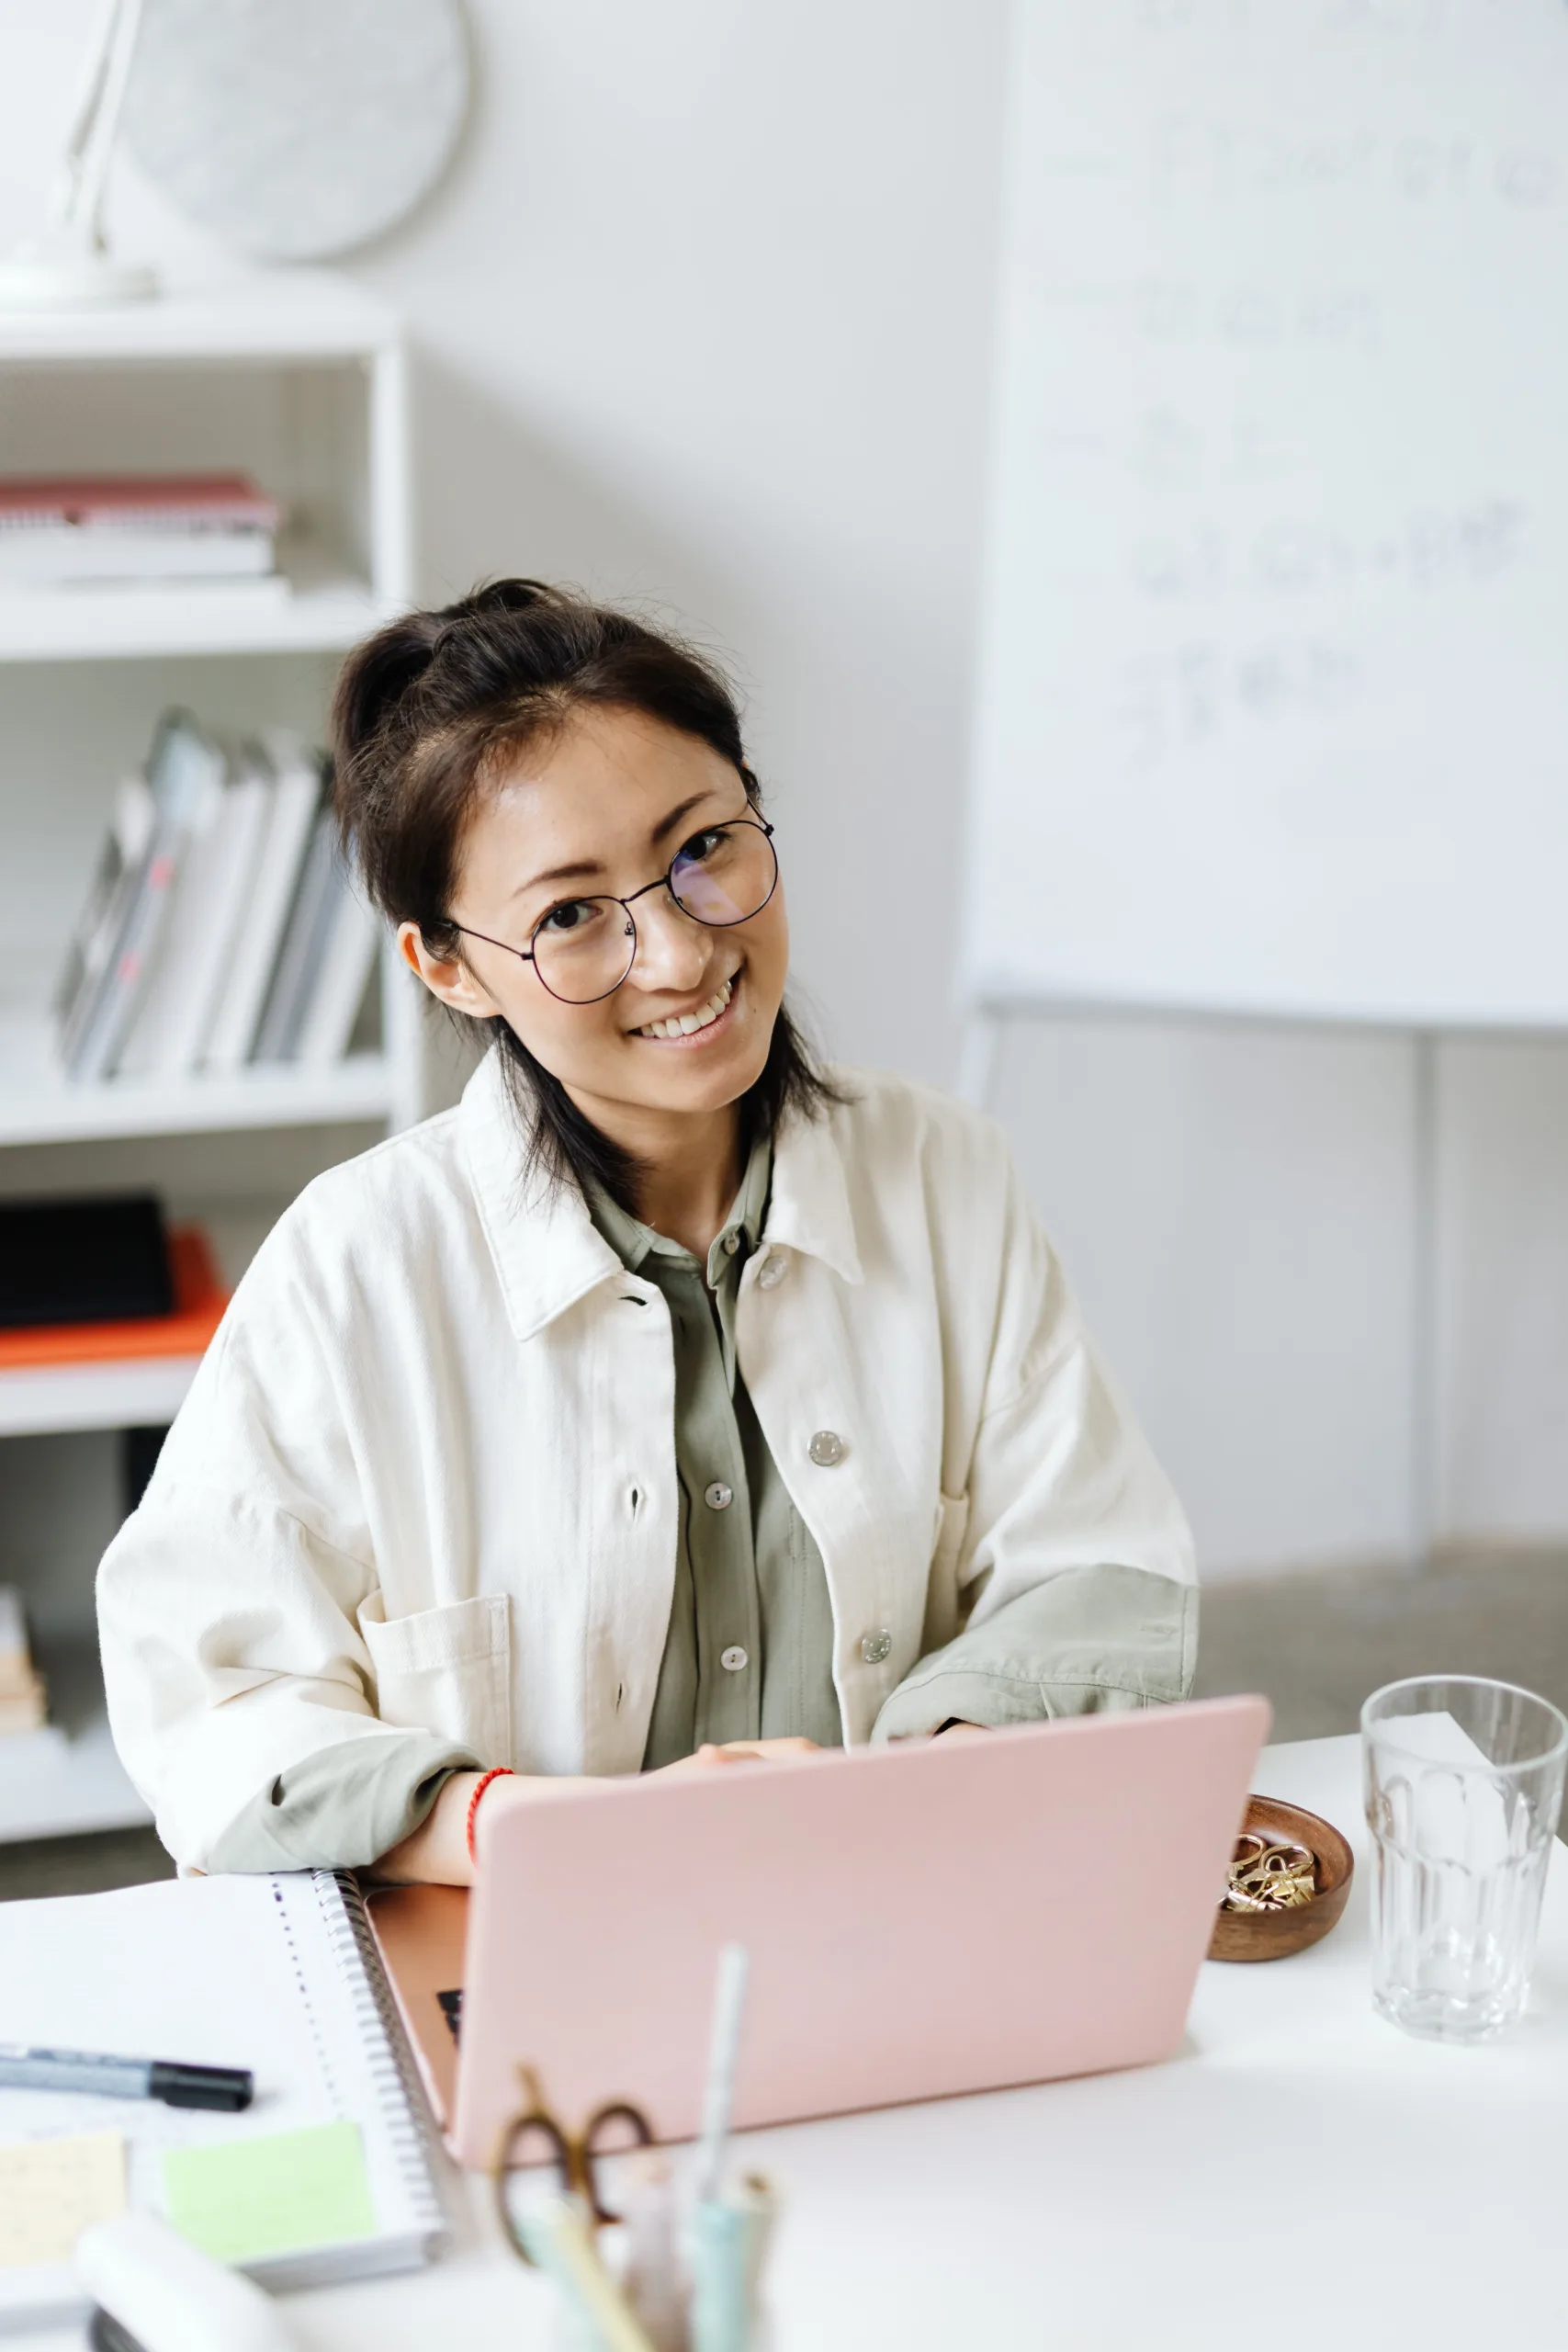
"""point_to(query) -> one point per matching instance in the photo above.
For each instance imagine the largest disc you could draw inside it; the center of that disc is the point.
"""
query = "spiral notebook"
(279, 1974)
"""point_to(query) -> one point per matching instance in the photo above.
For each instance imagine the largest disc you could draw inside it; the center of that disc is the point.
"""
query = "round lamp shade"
(295, 129)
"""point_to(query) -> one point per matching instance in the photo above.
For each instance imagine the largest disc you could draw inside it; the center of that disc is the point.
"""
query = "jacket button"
(874, 1646)
(771, 1273)
(733, 1659)
(718, 1497)
(731, 1244)
(825, 1449)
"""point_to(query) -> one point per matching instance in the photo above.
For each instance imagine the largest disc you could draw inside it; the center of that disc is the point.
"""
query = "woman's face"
(602, 809)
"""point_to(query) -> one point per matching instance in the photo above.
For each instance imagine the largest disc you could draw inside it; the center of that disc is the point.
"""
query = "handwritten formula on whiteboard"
(1273, 701)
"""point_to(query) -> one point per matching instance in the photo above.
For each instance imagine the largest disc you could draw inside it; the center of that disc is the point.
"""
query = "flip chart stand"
(979, 1060)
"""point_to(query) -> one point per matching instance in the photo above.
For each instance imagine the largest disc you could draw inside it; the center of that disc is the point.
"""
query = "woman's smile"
(702, 1027)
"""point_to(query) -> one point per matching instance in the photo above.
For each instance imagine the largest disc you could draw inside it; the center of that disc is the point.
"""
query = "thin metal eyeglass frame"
(607, 899)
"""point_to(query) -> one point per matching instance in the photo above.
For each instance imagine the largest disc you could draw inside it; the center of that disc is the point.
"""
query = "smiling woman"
(670, 1403)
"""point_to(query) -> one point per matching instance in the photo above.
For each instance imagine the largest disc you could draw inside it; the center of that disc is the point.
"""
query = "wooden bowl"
(1274, 1935)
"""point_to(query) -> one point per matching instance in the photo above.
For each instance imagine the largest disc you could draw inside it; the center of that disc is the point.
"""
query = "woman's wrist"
(470, 1819)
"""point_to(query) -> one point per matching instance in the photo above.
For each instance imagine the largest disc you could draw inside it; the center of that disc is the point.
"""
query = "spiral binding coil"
(398, 2091)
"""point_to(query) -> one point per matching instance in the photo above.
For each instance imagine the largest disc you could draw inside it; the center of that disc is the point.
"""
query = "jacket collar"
(810, 1206)
(547, 1248)
(543, 1239)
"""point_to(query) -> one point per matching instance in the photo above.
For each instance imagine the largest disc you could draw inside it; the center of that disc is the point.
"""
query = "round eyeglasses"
(583, 949)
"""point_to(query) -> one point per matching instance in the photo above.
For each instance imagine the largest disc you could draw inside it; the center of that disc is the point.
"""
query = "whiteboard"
(1272, 696)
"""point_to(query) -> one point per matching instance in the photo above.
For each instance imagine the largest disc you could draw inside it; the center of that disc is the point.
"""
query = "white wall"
(703, 316)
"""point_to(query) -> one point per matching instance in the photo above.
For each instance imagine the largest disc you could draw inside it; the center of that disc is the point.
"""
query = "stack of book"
(222, 926)
(137, 531)
(22, 1688)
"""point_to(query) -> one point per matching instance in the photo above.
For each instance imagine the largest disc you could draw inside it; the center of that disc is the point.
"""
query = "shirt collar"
(548, 1250)
(634, 1243)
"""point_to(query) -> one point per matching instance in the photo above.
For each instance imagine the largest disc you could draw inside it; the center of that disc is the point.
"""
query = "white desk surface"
(1301, 2173)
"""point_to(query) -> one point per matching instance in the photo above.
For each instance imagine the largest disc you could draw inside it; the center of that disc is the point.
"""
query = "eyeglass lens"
(584, 949)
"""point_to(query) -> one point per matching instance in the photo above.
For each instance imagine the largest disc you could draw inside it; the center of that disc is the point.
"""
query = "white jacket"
(425, 1477)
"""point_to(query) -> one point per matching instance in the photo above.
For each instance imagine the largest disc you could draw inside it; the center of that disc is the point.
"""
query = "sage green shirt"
(750, 1650)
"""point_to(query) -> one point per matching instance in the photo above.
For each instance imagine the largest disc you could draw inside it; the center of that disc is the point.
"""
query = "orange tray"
(200, 1301)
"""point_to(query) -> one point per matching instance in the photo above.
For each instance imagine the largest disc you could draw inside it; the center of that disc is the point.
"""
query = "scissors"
(575, 2155)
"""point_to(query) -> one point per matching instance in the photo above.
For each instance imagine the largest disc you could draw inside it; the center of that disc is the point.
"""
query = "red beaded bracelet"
(496, 1772)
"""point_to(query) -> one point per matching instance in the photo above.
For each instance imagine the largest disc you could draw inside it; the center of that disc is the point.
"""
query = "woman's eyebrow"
(588, 867)
(559, 874)
(685, 809)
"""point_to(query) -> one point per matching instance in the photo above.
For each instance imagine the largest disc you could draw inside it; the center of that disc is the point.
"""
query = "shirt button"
(731, 1244)
(718, 1497)
(876, 1645)
(825, 1449)
(771, 1273)
(733, 1659)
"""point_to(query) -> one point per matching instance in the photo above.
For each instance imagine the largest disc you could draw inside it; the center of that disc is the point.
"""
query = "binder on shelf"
(181, 769)
(199, 1299)
(305, 938)
(206, 921)
(347, 960)
(102, 918)
(295, 801)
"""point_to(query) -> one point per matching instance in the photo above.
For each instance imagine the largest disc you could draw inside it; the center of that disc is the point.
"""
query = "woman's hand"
(436, 1853)
(713, 1754)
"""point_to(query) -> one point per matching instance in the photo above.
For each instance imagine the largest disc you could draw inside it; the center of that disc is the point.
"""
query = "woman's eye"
(572, 914)
(701, 847)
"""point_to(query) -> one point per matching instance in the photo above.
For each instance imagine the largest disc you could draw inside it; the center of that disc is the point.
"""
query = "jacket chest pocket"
(446, 1670)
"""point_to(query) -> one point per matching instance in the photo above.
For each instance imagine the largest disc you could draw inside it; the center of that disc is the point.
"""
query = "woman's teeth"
(685, 1024)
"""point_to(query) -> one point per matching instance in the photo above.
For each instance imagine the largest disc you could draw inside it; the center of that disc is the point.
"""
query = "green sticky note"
(243, 2198)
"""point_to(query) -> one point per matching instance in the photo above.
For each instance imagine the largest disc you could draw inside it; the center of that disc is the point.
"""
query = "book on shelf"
(100, 1257)
(22, 1699)
(198, 1299)
(82, 531)
(223, 926)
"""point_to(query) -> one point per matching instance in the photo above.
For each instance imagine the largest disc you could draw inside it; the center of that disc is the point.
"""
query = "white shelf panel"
(135, 1392)
(39, 1105)
(67, 1778)
(53, 1785)
(260, 314)
(130, 624)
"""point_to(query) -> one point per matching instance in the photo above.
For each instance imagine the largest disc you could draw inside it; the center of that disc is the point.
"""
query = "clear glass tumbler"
(1463, 1787)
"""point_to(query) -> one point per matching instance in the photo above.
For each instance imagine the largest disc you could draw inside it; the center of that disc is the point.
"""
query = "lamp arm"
(79, 198)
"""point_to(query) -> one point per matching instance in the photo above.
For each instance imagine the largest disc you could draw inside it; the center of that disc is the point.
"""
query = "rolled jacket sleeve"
(1064, 1580)
(231, 1609)
(1087, 1641)
(341, 1808)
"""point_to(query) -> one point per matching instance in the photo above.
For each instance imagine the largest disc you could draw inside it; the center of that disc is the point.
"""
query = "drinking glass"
(1463, 1787)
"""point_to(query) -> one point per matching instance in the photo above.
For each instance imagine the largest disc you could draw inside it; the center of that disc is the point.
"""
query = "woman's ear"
(447, 978)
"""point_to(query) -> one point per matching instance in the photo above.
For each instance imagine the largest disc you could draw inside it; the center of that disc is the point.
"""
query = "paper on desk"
(51, 2190)
(276, 2195)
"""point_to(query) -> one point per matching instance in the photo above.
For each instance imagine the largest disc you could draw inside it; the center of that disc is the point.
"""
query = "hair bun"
(376, 676)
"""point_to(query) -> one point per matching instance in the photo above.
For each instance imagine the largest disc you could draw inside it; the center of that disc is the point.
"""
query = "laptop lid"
(942, 1916)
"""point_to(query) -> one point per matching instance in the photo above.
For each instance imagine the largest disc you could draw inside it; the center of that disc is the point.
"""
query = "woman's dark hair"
(426, 713)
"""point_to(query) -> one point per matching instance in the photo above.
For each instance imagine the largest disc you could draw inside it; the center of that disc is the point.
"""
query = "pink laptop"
(946, 1915)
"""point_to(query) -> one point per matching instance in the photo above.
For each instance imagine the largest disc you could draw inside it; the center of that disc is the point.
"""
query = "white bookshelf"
(133, 1392)
(39, 1105)
(67, 1779)
(298, 378)
(319, 615)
